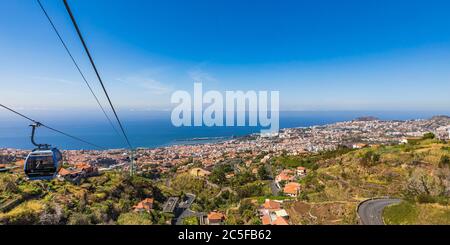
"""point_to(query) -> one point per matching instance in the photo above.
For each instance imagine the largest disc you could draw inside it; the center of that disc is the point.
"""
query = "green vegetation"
(369, 158)
(26, 213)
(336, 181)
(252, 190)
(295, 161)
(444, 161)
(403, 213)
(242, 178)
(428, 136)
(263, 173)
(186, 183)
(417, 173)
(98, 200)
(133, 218)
(407, 213)
(190, 221)
(218, 175)
(244, 215)
(223, 201)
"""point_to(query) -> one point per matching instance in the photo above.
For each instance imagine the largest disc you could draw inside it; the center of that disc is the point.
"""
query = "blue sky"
(320, 55)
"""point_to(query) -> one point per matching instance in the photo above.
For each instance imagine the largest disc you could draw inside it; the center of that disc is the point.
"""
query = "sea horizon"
(153, 129)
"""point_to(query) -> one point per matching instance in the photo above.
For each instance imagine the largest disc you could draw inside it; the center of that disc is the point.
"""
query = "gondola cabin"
(43, 164)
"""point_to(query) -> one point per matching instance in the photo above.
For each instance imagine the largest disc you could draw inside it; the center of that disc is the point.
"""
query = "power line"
(95, 69)
(76, 64)
(51, 128)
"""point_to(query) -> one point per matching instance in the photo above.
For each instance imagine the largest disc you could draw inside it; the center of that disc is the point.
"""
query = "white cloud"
(53, 79)
(198, 75)
(149, 84)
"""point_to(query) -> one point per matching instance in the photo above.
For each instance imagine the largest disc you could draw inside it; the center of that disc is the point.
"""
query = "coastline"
(194, 141)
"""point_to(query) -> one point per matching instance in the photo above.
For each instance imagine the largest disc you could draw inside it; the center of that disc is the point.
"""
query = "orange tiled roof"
(64, 172)
(269, 204)
(148, 200)
(216, 216)
(285, 175)
(266, 220)
(145, 204)
(292, 188)
(83, 166)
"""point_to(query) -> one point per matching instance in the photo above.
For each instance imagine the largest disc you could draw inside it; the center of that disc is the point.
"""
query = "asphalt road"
(183, 210)
(371, 211)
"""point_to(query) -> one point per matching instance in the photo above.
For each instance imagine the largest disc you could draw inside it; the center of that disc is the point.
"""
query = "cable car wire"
(51, 128)
(69, 11)
(76, 64)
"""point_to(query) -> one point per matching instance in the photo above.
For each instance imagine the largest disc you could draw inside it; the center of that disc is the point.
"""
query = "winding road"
(371, 211)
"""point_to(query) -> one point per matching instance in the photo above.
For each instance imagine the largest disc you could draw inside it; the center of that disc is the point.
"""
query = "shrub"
(428, 136)
(132, 218)
(444, 161)
(27, 213)
(8, 183)
(263, 174)
(79, 219)
(190, 221)
(369, 158)
(249, 190)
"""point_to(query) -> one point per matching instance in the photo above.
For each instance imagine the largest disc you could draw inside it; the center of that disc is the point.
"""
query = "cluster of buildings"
(145, 205)
(272, 213)
(77, 172)
(215, 218)
(443, 133)
(287, 180)
(294, 141)
(180, 208)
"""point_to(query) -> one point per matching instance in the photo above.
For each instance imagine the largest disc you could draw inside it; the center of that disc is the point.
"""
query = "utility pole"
(132, 163)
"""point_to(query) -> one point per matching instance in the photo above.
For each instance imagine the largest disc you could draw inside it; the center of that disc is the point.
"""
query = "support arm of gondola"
(33, 130)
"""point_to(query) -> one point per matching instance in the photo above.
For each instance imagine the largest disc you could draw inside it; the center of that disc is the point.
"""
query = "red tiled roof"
(266, 219)
(291, 188)
(64, 172)
(269, 204)
(216, 216)
(146, 204)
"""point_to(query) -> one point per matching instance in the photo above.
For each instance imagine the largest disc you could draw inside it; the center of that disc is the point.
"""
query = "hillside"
(416, 172)
(106, 199)
(336, 182)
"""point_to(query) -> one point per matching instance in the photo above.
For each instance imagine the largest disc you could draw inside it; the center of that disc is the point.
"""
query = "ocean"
(154, 129)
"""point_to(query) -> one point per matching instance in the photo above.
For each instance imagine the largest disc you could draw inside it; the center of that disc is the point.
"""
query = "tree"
(218, 177)
(423, 187)
(190, 221)
(428, 136)
(444, 161)
(243, 178)
(369, 158)
(263, 174)
(249, 190)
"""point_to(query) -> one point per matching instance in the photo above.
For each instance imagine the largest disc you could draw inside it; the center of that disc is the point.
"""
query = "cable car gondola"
(44, 162)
